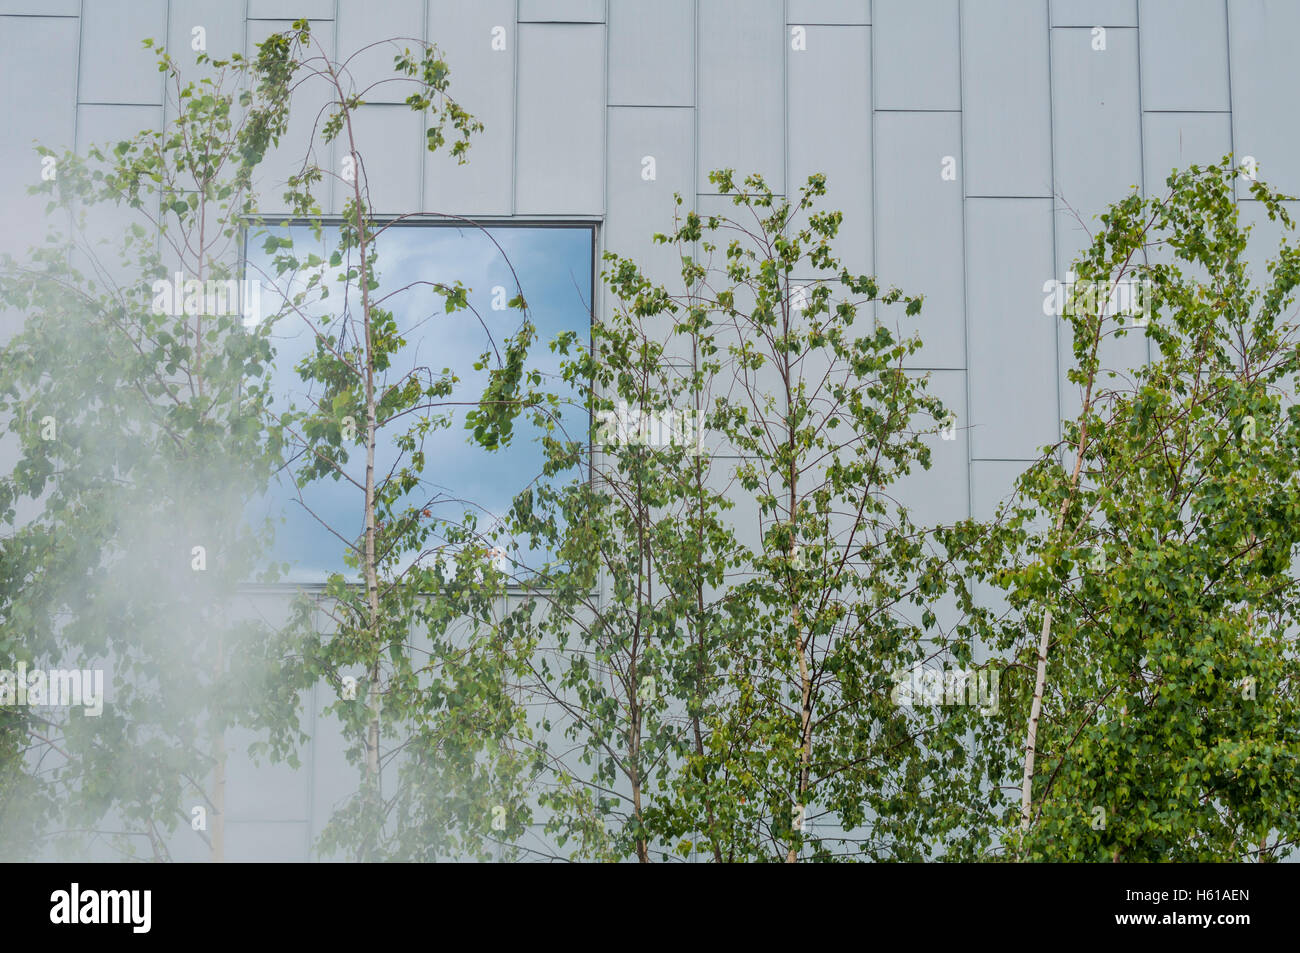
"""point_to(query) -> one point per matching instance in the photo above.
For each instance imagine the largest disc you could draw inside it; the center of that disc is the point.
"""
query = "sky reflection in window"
(554, 269)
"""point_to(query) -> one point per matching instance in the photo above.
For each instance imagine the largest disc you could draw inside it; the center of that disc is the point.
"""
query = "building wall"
(1041, 123)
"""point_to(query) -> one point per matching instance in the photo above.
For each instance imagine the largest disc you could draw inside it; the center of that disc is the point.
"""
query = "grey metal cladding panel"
(115, 67)
(41, 112)
(363, 24)
(301, 142)
(918, 245)
(561, 11)
(1012, 344)
(652, 53)
(1262, 248)
(745, 517)
(1007, 108)
(992, 482)
(639, 207)
(829, 123)
(105, 126)
(223, 29)
(1265, 238)
(724, 206)
(1176, 140)
(1097, 150)
(332, 778)
(32, 47)
(186, 846)
(1184, 54)
(290, 9)
(741, 100)
(483, 81)
(262, 792)
(1265, 78)
(280, 842)
(390, 146)
(1119, 356)
(857, 12)
(729, 334)
(1094, 12)
(917, 54)
(1096, 128)
(941, 493)
(560, 162)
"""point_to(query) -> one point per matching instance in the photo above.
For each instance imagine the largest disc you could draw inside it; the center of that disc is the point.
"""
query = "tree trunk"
(1031, 733)
(371, 569)
(1045, 636)
(801, 644)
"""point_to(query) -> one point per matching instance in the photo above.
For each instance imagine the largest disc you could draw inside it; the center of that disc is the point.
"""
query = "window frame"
(592, 223)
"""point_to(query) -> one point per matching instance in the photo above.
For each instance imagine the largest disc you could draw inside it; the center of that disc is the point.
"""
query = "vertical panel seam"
(514, 117)
(1142, 148)
(162, 77)
(695, 105)
(1051, 140)
(1232, 113)
(598, 240)
(76, 79)
(426, 34)
(333, 154)
(875, 166)
(695, 68)
(785, 31)
(965, 250)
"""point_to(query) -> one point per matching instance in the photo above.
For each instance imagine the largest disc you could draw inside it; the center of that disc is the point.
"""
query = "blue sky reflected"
(554, 269)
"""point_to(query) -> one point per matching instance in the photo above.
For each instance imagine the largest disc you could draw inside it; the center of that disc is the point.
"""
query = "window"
(554, 269)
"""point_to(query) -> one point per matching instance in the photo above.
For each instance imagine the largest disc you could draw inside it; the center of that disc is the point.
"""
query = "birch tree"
(136, 399)
(771, 637)
(1159, 723)
(420, 586)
